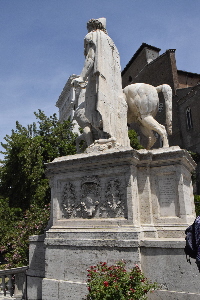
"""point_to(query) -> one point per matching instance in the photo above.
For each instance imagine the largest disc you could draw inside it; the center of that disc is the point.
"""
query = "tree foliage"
(14, 235)
(134, 140)
(27, 150)
(24, 189)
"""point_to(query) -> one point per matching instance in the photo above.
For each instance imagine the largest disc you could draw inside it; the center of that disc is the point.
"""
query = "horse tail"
(167, 92)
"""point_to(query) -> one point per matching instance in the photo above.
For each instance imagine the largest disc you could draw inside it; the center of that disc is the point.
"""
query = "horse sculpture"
(143, 102)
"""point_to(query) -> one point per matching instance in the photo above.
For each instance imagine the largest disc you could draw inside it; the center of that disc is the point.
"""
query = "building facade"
(148, 66)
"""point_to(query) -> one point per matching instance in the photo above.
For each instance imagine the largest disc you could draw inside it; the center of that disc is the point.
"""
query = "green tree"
(27, 150)
(24, 189)
(15, 228)
(8, 218)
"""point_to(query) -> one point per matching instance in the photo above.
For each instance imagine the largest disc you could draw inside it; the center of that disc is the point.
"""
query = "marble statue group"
(113, 202)
(103, 108)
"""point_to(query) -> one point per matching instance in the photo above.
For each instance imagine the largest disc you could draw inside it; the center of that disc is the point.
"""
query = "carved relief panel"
(90, 197)
(93, 197)
(114, 204)
(69, 205)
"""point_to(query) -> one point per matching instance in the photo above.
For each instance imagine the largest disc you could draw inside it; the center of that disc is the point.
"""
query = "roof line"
(156, 59)
(181, 71)
(137, 53)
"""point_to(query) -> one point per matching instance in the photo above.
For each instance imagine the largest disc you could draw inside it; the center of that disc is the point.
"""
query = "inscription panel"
(168, 195)
(188, 195)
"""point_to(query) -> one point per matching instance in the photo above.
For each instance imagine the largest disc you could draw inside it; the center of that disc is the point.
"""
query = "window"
(189, 118)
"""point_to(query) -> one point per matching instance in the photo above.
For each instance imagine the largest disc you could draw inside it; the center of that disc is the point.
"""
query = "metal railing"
(13, 283)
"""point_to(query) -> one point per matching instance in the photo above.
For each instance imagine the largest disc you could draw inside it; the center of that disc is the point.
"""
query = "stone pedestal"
(36, 271)
(118, 204)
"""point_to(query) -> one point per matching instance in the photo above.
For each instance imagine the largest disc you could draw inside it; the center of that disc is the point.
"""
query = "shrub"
(116, 283)
(15, 243)
(134, 140)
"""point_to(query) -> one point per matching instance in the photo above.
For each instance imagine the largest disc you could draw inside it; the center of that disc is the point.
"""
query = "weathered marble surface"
(100, 101)
(164, 261)
(143, 102)
(36, 271)
(111, 205)
(145, 188)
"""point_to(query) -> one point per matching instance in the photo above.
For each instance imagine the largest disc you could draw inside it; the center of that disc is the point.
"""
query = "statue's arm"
(89, 62)
(88, 65)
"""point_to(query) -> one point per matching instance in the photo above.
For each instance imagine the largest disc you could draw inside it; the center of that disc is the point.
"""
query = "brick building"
(148, 66)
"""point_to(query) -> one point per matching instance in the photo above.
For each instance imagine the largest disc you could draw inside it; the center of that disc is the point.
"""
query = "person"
(197, 237)
(104, 104)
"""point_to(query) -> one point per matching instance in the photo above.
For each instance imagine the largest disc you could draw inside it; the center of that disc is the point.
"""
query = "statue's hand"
(78, 83)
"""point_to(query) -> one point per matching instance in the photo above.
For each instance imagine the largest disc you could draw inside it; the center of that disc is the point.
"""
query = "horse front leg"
(85, 136)
(78, 140)
(88, 135)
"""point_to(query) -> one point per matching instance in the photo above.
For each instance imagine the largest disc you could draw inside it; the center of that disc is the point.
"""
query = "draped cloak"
(104, 99)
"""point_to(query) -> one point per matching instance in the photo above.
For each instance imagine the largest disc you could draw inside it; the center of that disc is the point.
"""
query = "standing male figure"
(105, 106)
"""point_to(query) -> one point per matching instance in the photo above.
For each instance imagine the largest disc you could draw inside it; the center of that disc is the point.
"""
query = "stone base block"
(164, 261)
(34, 288)
(69, 255)
(36, 271)
(63, 290)
(113, 205)
(125, 188)
(172, 295)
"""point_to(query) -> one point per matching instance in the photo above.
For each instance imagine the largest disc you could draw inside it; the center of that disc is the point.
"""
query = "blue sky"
(41, 45)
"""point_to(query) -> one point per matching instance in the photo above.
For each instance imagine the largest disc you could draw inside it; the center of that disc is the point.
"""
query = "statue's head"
(94, 24)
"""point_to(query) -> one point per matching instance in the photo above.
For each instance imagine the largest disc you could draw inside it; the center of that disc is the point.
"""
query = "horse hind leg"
(150, 123)
(149, 134)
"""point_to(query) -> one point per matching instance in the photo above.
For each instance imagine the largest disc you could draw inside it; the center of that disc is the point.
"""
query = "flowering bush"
(14, 244)
(116, 283)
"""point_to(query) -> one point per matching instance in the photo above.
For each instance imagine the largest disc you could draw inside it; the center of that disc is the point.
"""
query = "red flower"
(106, 283)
